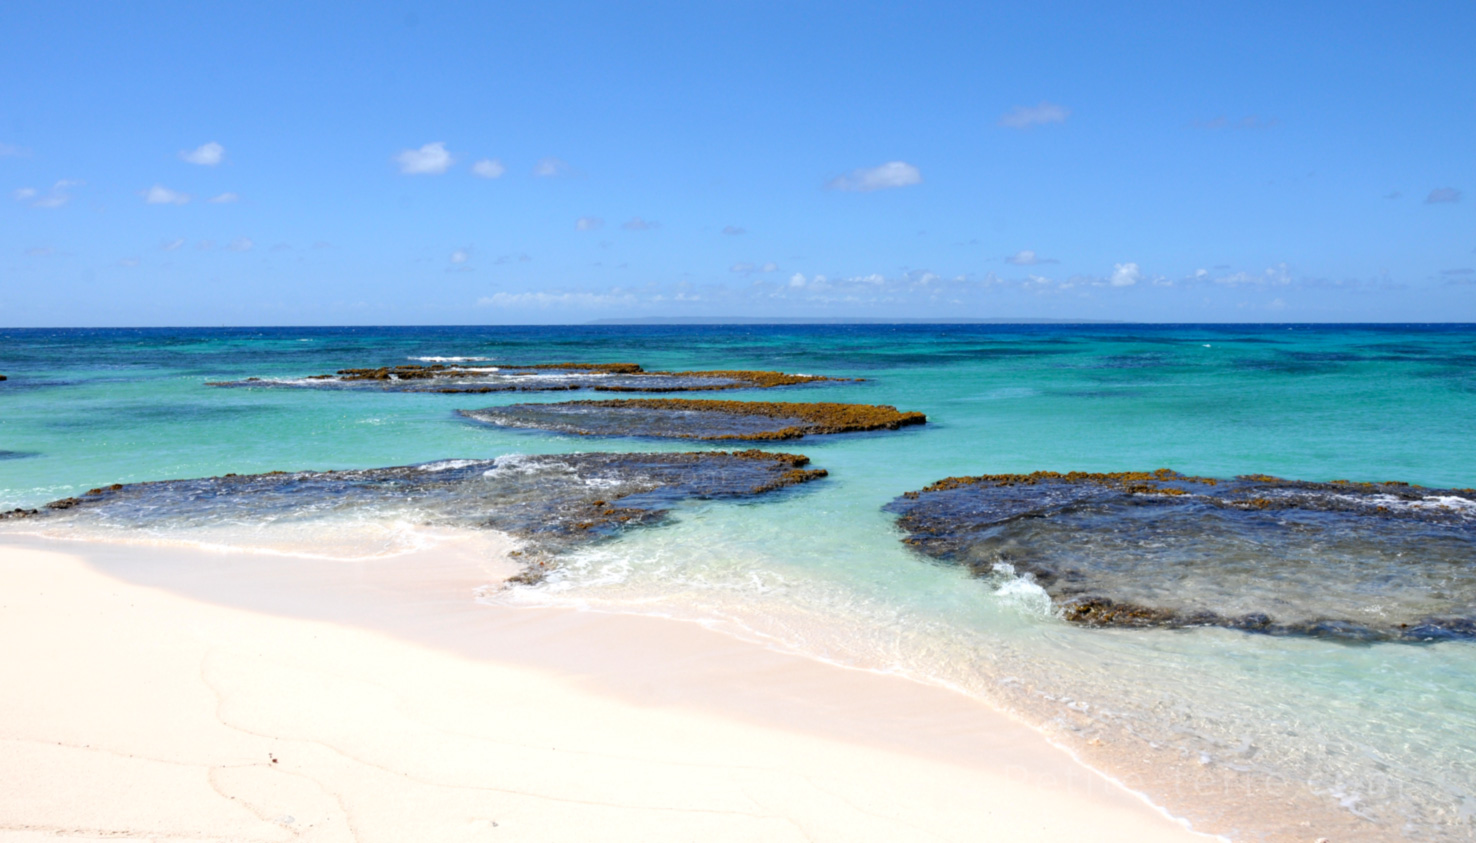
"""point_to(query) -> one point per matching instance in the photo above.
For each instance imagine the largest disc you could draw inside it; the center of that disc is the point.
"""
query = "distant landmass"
(840, 320)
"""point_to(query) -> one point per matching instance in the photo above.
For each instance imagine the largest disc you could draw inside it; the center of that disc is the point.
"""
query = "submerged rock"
(1355, 561)
(685, 418)
(537, 377)
(552, 501)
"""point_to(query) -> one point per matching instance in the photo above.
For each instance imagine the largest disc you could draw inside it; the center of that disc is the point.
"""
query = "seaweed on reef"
(704, 419)
(536, 377)
(1353, 561)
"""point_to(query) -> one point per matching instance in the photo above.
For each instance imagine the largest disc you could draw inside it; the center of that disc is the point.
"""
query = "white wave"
(446, 465)
(450, 359)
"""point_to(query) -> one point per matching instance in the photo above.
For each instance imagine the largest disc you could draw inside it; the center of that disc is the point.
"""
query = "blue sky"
(393, 163)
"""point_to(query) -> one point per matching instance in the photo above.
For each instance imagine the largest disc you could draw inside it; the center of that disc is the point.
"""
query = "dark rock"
(1385, 561)
(552, 502)
(683, 418)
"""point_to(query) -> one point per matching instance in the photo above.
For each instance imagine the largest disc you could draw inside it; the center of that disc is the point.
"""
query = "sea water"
(1383, 733)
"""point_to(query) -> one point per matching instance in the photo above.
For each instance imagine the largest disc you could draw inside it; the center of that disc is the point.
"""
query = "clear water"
(1383, 732)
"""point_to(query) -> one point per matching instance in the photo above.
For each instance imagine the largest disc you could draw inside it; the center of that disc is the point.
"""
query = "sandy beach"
(186, 694)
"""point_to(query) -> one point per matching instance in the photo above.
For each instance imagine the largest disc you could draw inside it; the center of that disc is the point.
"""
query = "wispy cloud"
(1028, 257)
(749, 268)
(57, 196)
(550, 167)
(241, 244)
(638, 224)
(224, 198)
(207, 155)
(172, 245)
(1026, 116)
(129, 262)
(10, 150)
(734, 230)
(38, 251)
(521, 257)
(867, 179)
(1125, 274)
(489, 168)
(546, 299)
(460, 256)
(161, 195)
(1443, 194)
(588, 223)
(431, 159)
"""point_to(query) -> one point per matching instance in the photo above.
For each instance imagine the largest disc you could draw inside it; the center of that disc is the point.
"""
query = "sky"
(265, 163)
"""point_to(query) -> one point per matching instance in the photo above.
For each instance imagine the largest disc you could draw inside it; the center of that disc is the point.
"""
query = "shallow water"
(1380, 731)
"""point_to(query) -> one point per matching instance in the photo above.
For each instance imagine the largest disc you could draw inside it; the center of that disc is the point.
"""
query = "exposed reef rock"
(551, 501)
(1354, 561)
(3, 378)
(536, 377)
(686, 418)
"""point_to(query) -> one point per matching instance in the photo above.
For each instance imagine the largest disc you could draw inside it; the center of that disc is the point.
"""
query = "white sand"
(134, 711)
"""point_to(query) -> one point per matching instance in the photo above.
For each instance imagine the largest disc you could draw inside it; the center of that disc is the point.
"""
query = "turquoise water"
(1385, 733)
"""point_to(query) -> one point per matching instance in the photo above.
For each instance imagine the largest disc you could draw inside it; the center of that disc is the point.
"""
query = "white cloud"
(489, 168)
(208, 154)
(550, 167)
(638, 224)
(172, 245)
(52, 200)
(128, 262)
(1443, 194)
(734, 230)
(161, 195)
(24, 193)
(241, 244)
(225, 198)
(460, 256)
(1025, 116)
(1028, 257)
(431, 159)
(588, 223)
(867, 179)
(10, 149)
(1125, 274)
(38, 251)
(796, 280)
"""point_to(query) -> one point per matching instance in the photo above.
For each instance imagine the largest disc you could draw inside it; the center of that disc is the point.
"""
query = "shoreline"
(969, 769)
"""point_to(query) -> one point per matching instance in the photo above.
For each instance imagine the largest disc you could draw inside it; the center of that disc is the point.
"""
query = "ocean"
(1238, 728)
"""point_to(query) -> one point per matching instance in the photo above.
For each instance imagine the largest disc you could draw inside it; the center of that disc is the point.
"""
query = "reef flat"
(1356, 561)
(535, 377)
(686, 418)
(552, 501)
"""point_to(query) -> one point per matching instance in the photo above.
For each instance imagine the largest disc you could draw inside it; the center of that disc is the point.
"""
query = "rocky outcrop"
(686, 418)
(552, 502)
(1340, 559)
(533, 377)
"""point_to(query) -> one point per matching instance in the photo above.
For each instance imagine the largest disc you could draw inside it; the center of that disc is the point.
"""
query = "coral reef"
(688, 418)
(534, 377)
(552, 502)
(1340, 559)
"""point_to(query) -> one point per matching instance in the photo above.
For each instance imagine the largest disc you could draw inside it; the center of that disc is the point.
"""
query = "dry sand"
(170, 694)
